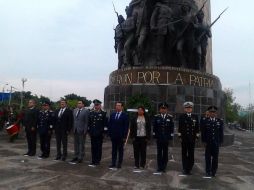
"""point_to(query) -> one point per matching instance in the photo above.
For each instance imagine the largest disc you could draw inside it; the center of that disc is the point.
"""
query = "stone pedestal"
(165, 84)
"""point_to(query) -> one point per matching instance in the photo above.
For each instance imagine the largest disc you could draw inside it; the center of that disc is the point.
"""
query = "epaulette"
(157, 115)
(170, 115)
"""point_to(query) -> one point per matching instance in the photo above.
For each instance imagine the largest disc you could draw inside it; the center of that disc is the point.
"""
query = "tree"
(231, 107)
(72, 100)
(140, 100)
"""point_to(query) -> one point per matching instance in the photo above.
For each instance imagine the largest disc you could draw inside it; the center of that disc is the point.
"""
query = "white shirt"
(61, 112)
(141, 129)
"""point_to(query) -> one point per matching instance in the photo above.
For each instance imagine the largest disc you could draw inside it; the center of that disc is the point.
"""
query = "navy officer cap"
(212, 108)
(96, 101)
(163, 105)
(188, 104)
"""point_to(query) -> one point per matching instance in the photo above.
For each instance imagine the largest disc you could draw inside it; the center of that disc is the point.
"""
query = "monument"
(164, 53)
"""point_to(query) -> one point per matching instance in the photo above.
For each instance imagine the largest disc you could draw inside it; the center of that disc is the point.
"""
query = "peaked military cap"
(163, 105)
(46, 103)
(188, 104)
(96, 101)
(212, 108)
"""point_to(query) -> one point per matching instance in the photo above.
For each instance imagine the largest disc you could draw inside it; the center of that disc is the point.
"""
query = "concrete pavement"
(236, 169)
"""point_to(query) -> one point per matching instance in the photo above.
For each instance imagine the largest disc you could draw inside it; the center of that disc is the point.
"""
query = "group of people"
(120, 128)
(62, 121)
(189, 129)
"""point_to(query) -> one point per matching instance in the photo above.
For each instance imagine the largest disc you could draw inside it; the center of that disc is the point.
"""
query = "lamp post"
(23, 80)
(10, 95)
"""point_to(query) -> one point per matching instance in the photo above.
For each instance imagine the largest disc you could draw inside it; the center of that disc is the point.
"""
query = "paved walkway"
(236, 169)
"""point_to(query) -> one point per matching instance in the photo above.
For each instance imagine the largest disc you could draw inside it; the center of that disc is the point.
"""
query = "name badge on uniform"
(168, 120)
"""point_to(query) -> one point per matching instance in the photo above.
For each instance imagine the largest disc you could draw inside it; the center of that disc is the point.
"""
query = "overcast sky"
(66, 46)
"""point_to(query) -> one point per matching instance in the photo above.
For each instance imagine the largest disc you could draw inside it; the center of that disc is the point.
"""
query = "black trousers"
(96, 149)
(45, 144)
(61, 139)
(139, 147)
(211, 158)
(188, 155)
(31, 142)
(162, 155)
(117, 150)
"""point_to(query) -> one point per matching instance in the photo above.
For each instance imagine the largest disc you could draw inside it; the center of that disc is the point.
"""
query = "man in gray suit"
(80, 122)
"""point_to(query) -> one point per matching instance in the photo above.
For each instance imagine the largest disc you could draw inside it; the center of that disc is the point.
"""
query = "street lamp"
(23, 80)
(5, 86)
(11, 94)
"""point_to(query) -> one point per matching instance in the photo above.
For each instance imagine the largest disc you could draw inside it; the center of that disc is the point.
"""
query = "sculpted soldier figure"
(185, 41)
(161, 17)
(202, 34)
(119, 40)
(132, 26)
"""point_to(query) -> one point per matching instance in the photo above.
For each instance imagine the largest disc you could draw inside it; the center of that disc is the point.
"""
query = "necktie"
(60, 113)
(117, 114)
(78, 112)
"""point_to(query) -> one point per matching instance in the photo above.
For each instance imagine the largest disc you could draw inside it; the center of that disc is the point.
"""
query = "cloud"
(65, 46)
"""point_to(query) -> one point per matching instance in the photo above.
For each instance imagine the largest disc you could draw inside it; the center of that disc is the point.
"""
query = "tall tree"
(231, 107)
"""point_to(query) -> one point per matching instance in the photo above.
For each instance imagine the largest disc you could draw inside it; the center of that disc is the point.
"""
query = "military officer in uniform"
(45, 127)
(188, 132)
(96, 126)
(212, 137)
(163, 128)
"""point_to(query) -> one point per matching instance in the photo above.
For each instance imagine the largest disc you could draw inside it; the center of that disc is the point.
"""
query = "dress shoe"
(112, 166)
(57, 158)
(92, 165)
(74, 160)
(26, 154)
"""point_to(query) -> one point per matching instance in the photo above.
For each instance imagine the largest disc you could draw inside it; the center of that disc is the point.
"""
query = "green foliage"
(231, 108)
(140, 100)
(73, 99)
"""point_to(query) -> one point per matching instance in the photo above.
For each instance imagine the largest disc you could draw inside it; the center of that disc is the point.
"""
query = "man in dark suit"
(80, 123)
(45, 127)
(188, 132)
(97, 123)
(118, 129)
(163, 128)
(212, 137)
(63, 125)
(30, 121)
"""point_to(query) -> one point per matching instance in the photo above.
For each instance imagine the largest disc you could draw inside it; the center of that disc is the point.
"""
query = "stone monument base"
(165, 84)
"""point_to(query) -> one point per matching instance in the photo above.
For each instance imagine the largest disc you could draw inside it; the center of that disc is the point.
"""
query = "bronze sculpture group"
(162, 33)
